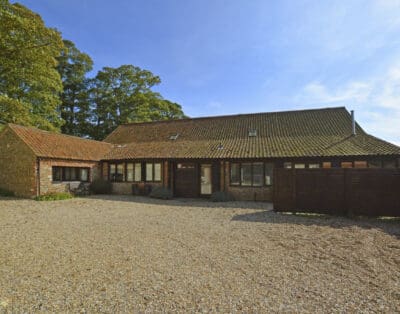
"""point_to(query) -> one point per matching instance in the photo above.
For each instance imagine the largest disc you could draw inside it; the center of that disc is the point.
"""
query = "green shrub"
(100, 186)
(54, 197)
(161, 192)
(5, 192)
(222, 197)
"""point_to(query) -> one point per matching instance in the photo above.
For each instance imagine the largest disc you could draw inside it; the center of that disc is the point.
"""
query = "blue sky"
(239, 56)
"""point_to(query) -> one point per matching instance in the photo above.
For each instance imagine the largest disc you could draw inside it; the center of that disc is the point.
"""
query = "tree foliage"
(121, 95)
(73, 65)
(29, 83)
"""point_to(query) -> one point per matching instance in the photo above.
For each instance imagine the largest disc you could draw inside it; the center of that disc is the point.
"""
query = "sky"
(217, 57)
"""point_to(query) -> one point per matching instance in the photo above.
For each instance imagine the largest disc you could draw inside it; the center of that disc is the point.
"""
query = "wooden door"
(186, 180)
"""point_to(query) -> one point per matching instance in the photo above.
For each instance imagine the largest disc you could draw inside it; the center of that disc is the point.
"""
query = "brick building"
(194, 157)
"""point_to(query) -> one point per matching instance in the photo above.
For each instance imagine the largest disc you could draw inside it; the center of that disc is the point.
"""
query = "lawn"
(127, 254)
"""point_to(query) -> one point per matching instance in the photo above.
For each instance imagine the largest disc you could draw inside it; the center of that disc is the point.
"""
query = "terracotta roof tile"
(55, 145)
(319, 132)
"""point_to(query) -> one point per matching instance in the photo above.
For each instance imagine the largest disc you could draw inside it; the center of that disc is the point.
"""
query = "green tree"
(121, 95)
(73, 65)
(29, 82)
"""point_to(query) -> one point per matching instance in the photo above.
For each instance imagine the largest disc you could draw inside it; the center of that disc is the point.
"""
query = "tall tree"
(73, 65)
(29, 82)
(121, 95)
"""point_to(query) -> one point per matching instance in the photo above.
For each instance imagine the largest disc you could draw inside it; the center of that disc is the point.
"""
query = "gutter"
(37, 176)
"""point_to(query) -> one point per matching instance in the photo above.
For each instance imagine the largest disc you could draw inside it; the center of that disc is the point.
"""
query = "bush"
(222, 197)
(100, 186)
(54, 197)
(4, 192)
(161, 192)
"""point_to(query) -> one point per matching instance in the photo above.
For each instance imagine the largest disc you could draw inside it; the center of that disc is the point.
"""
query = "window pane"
(326, 164)
(129, 172)
(67, 174)
(313, 166)
(375, 164)
(389, 164)
(269, 170)
(235, 174)
(346, 164)
(157, 172)
(258, 173)
(112, 172)
(360, 164)
(119, 176)
(299, 166)
(246, 174)
(149, 172)
(287, 165)
(84, 174)
(57, 174)
(138, 172)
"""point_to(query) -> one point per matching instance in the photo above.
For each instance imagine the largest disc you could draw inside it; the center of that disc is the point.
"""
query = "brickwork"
(125, 188)
(17, 170)
(247, 193)
(46, 175)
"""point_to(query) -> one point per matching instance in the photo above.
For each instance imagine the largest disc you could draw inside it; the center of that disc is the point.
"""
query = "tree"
(29, 82)
(73, 65)
(121, 95)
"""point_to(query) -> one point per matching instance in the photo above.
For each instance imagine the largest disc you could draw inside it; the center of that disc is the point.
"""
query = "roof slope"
(318, 132)
(55, 145)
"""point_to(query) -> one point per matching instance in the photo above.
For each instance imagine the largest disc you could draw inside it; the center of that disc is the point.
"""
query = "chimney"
(353, 123)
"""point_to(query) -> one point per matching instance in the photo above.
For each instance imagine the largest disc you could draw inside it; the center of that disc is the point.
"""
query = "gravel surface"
(132, 254)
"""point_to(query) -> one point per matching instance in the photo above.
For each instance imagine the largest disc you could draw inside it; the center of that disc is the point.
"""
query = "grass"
(54, 197)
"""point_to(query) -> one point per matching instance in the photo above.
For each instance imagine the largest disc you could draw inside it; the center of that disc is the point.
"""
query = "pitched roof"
(304, 133)
(55, 145)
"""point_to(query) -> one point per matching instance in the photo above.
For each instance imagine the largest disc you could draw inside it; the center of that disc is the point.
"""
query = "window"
(235, 174)
(134, 172)
(326, 164)
(346, 164)
(360, 164)
(299, 166)
(374, 164)
(117, 172)
(70, 174)
(389, 164)
(251, 174)
(313, 166)
(287, 165)
(153, 171)
(269, 170)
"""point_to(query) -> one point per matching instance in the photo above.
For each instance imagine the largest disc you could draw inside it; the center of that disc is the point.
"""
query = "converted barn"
(192, 157)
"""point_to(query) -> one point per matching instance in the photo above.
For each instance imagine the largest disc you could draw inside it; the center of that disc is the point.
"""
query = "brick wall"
(246, 193)
(125, 188)
(46, 174)
(17, 165)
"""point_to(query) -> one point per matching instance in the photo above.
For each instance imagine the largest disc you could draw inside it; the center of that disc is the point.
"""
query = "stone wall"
(17, 165)
(247, 193)
(46, 174)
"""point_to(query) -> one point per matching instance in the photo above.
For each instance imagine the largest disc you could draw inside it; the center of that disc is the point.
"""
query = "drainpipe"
(37, 176)
(353, 123)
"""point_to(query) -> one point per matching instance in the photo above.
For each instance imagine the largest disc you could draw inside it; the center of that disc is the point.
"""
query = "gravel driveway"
(131, 254)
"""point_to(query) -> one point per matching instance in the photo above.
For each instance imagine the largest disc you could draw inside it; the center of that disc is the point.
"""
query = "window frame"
(153, 163)
(240, 173)
(115, 165)
(134, 178)
(63, 171)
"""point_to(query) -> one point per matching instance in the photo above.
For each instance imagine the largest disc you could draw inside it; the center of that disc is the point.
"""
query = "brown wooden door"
(186, 180)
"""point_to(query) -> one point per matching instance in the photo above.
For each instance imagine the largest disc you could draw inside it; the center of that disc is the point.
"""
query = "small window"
(313, 166)
(346, 164)
(130, 175)
(258, 174)
(157, 172)
(389, 164)
(326, 164)
(253, 133)
(235, 174)
(299, 166)
(374, 164)
(149, 172)
(287, 165)
(138, 172)
(360, 164)
(57, 173)
(84, 176)
(246, 174)
(117, 172)
(269, 170)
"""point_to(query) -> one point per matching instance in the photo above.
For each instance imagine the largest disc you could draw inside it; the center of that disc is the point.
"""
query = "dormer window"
(253, 133)
(174, 137)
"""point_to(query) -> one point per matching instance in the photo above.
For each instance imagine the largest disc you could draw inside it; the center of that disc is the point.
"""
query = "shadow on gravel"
(390, 226)
(188, 202)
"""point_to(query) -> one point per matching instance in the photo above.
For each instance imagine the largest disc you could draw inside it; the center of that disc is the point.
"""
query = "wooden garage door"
(186, 180)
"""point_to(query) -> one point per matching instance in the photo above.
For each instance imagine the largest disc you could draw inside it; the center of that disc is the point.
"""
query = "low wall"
(125, 188)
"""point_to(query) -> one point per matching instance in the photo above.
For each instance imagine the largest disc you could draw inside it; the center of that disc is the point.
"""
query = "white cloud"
(376, 101)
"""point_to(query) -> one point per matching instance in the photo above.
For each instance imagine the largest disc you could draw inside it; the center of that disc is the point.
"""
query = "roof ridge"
(233, 115)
